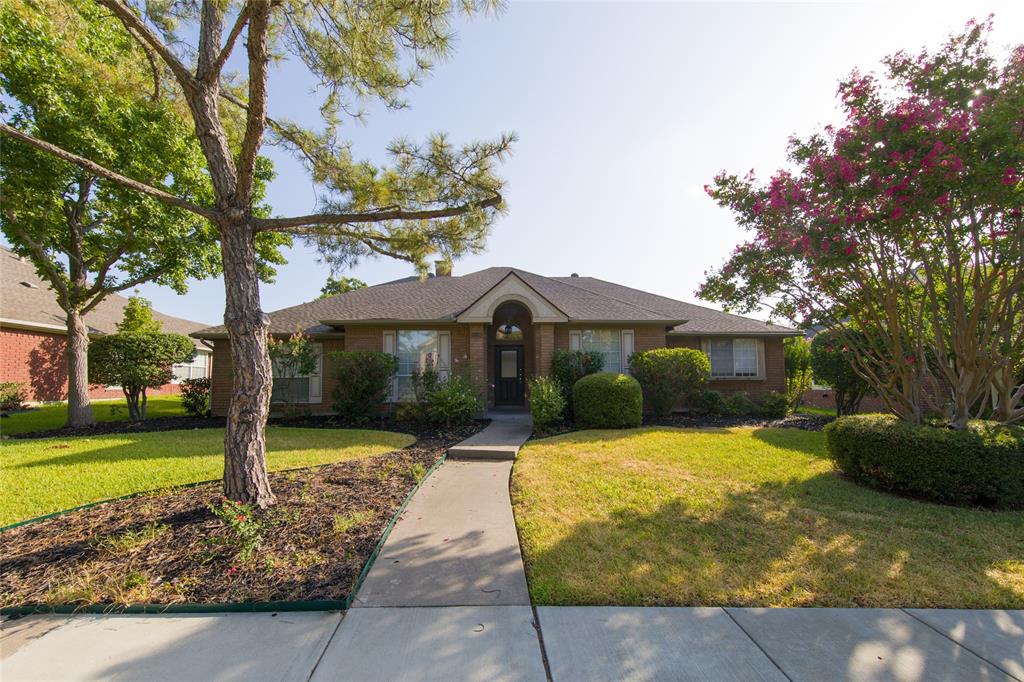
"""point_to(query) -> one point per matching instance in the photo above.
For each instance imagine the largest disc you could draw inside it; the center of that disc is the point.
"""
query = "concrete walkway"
(500, 440)
(447, 600)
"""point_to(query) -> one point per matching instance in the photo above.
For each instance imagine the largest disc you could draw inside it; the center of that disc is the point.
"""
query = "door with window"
(509, 376)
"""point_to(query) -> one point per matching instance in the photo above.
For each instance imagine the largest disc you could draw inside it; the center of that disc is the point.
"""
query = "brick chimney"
(442, 268)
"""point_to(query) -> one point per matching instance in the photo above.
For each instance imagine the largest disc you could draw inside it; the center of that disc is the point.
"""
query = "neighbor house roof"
(443, 299)
(28, 302)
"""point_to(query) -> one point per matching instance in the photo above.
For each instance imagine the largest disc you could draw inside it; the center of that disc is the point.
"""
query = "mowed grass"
(52, 474)
(744, 517)
(56, 415)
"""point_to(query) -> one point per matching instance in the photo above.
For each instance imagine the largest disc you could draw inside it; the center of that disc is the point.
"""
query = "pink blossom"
(897, 213)
(1010, 176)
(942, 199)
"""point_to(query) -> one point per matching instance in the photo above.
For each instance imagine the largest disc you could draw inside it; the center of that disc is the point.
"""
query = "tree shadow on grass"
(800, 543)
(135, 449)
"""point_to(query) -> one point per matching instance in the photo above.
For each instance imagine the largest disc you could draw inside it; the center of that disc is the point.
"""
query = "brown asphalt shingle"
(442, 299)
(26, 298)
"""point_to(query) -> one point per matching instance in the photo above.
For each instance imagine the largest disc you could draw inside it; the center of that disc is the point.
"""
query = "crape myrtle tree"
(901, 230)
(430, 197)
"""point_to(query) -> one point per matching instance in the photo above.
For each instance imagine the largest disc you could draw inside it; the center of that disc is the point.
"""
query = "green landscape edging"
(224, 607)
(387, 531)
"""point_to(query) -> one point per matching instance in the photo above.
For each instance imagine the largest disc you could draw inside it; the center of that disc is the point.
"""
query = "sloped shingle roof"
(26, 300)
(442, 299)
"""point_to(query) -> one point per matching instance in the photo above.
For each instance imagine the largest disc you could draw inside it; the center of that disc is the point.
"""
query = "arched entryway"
(510, 342)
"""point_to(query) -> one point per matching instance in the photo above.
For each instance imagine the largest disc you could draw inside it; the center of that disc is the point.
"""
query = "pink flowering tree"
(904, 224)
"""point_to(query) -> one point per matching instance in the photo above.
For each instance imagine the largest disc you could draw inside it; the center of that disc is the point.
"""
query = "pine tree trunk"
(79, 407)
(245, 464)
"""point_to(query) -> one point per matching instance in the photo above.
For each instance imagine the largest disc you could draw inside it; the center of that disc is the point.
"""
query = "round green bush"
(607, 401)
(667, 374)
(982, 465)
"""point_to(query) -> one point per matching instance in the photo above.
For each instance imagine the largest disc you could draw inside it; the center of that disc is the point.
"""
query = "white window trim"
(627, 340)
(444, 360)
(705, 345)
(206, 367)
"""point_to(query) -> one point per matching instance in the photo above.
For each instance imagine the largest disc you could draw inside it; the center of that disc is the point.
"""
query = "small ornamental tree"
(906, 222)
(797, 354)
(291, 358)
(137, 360)
(668, 374)
(832, 364)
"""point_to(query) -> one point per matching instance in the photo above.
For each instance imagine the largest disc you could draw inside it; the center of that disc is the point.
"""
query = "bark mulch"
(807, 422)
(170, 548)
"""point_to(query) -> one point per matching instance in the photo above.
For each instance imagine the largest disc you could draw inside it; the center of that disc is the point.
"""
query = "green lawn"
(56, 415)
(751, 517)
(46, 475)
(819, 411)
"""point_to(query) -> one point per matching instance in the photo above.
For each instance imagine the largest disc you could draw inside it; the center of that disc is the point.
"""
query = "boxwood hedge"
(608, 401)
(982, 465)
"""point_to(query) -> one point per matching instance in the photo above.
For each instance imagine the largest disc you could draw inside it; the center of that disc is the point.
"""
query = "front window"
(733, 357)
(290, 386)
(508, 332)
(607, 342)
(417, 349)
(196, 369)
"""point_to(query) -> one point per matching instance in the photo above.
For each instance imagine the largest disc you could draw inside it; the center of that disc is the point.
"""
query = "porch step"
(500, 440)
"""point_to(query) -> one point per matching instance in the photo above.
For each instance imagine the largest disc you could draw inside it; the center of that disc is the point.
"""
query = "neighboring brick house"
(33, 335)
(500, 326)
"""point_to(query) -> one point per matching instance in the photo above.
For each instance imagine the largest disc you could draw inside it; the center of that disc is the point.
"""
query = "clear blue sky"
(624, 111)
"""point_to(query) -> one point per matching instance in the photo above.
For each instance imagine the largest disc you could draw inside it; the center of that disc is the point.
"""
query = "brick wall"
(775, 368)
(36, 360)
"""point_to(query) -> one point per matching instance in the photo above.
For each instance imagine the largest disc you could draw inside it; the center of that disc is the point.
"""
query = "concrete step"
(500, 452)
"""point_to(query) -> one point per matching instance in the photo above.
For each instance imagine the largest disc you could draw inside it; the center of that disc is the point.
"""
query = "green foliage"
(569, 366)
(832, 364)
(137, 361)
(341, 285)
(364, 382)
(739, 404)
(293, 357)
(772, 405)
(195, 396)
(245, 530)
(138, 317)
(668, 374)
(797, 353)
(606, 400)
(453, 401)
(708, 401)
(982, 465)
(547, 402)
(12, 395)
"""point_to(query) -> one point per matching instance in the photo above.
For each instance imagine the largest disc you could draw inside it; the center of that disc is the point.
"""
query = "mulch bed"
(187, 423)
(806, 422)
(170, 548)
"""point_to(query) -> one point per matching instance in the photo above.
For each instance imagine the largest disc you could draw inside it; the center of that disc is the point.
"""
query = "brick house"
(33, 335)
(500, 326)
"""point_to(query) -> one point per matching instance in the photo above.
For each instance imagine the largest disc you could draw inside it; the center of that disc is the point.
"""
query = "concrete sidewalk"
(500, 643)
(502, 438)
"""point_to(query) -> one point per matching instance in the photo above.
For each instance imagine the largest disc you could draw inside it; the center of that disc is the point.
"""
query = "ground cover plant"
(47, 417)
(744, 517)
(48, 475)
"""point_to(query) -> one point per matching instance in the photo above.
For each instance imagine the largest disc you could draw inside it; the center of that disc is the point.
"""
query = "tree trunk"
(142, 406)
(245, 464)
(79, 407)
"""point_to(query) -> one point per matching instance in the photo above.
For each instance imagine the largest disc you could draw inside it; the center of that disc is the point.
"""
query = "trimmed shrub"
(569, 366)
(708, 401)
(453, 401)
(137, 361)
(667, 374)
(12, 395)
(195, 396)
(364, 381)
(773, 405)
(982, 465)
(547, 404)
(608, 401)
(739, 404)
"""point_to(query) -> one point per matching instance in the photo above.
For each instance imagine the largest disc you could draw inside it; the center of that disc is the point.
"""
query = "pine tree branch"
(143, 33)
(376, 216)
(256, 121)
(102, 172)
(212, 72)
